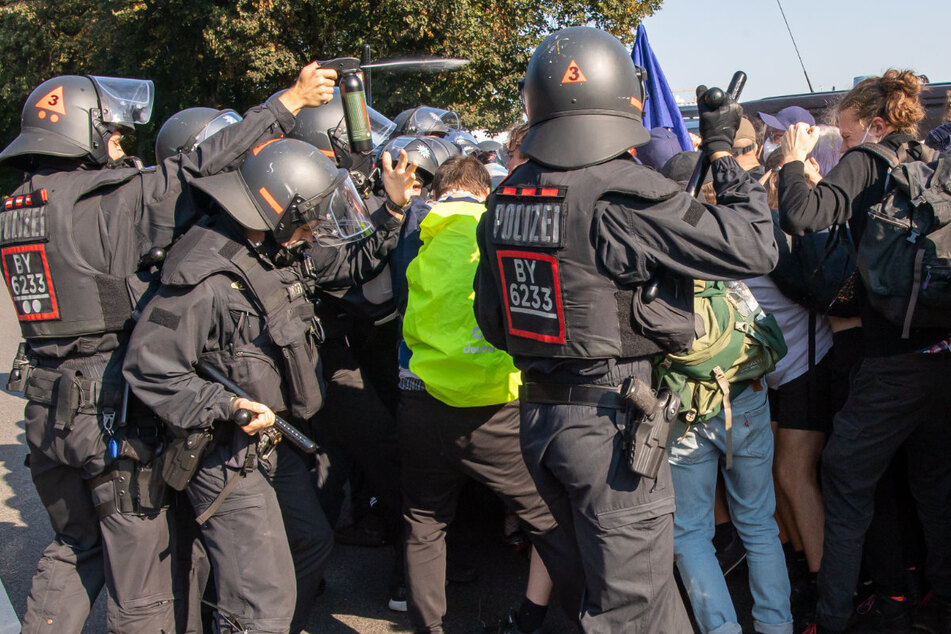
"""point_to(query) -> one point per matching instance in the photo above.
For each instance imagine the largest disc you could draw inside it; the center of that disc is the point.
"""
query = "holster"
(650, 421)
(645, 419)
(19, 371)
(136, 476)
(183, 456)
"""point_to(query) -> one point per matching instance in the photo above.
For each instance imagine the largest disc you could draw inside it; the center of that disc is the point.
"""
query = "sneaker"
(508, 625)
(879, 613)
(398, 597)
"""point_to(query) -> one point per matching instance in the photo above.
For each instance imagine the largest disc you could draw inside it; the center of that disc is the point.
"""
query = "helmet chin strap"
(101, 132)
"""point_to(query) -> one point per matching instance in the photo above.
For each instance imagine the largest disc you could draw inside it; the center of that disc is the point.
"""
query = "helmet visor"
(345, 218)
(125, 102)
(381, 128)
(426, 119)
(335, 218)
(223, 120)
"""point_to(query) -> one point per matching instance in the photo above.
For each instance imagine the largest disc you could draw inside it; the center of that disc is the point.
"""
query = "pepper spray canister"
(355, 113)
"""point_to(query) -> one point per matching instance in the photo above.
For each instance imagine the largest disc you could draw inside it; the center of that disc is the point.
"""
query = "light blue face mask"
(768, 148)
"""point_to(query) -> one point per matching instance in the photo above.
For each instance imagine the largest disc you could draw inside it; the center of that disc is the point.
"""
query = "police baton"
(242, 417)
(714, 99)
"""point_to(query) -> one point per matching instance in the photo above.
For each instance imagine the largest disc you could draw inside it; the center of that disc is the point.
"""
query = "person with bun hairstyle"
(901, 391)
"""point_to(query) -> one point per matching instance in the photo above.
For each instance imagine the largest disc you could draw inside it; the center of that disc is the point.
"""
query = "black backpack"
(904, 257)
(817, 270)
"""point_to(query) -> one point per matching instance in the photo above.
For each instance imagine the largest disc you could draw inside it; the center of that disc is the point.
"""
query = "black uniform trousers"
(247, 546)
(621, 524)
(355, 425)
(893, 400)
(309, 536)
(131, 554)
(441, 448)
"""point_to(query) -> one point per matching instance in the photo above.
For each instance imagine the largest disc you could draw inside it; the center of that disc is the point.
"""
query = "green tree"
(218, 53)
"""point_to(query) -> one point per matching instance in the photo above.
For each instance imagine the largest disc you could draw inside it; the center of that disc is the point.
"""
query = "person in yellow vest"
(458, 416)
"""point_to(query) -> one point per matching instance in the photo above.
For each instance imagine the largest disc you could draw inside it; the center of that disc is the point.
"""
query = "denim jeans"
(695, 455)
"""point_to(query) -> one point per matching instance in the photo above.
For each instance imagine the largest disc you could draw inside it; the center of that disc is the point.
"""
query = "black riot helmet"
(584, 98)
(73, 117)
(428, 152)
(185, 130)
(426, 121)
(326, 128)
(286, 183)
(466, 143)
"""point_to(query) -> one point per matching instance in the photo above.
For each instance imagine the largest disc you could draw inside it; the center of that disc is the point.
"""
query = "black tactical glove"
(719, 120)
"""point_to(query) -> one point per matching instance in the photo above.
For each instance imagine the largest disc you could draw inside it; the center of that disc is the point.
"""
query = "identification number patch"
(530, 217)
(27, 274)
(532, 295)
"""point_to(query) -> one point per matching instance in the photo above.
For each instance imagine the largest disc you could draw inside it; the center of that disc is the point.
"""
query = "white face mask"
(864, 138)
(768, 148)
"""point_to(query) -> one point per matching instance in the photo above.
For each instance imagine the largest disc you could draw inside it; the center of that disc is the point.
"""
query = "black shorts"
(807, 403)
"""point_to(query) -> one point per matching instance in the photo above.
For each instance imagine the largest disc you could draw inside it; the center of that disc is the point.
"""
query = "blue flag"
(660, 110)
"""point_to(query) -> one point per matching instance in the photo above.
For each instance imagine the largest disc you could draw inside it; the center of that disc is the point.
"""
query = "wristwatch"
(396, 209)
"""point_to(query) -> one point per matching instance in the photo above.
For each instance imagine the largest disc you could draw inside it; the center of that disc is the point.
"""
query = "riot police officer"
(568, 246)
(73, 238)
(235, 295)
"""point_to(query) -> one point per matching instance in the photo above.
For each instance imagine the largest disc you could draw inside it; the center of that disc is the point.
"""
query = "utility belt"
(645, 420)
(63, 389)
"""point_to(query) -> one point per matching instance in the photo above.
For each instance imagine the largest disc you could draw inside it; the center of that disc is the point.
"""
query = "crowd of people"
(662, 362)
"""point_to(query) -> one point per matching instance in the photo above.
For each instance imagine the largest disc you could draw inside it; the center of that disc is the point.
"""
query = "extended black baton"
(291, 433)
(714, 99)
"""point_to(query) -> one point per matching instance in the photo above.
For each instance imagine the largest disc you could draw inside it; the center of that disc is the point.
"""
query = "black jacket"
(845, 195)
(115, 226)
(183, 323)
(635, 238)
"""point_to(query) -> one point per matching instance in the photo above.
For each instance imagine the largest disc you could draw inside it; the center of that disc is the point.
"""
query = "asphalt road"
(357, 578)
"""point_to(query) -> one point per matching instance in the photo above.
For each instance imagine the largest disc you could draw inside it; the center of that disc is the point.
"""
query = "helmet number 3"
(573, 74)
(52, 102)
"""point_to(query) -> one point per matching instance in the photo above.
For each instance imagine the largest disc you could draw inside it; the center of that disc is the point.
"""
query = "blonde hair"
(893, 97)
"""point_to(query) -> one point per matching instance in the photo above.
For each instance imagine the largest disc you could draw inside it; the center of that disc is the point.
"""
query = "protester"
(776, 126)
(739, 438)
(458, 417)
(899, 392)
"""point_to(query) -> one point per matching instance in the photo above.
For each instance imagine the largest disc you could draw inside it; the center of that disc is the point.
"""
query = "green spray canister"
(355, 112)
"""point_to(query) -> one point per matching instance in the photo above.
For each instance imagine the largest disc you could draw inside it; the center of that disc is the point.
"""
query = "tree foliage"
(235, 53)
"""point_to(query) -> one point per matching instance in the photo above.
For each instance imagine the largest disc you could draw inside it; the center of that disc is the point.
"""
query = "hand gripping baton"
(714, 99)
(243, 417)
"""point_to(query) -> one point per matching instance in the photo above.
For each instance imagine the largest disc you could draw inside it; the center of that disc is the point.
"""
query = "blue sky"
(704, 41)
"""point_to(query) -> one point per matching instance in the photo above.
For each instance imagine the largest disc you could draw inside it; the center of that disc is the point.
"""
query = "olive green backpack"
(736, 343)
